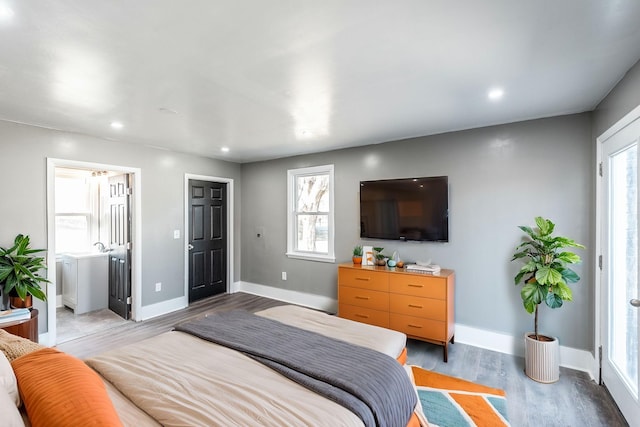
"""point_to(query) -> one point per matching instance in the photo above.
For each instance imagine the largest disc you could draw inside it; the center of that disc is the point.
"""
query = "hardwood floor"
(575, 400)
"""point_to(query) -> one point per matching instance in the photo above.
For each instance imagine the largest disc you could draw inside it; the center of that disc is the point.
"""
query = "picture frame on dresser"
(368, 257)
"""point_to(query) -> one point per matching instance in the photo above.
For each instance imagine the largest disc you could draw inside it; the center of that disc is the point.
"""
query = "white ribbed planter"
(542, 359)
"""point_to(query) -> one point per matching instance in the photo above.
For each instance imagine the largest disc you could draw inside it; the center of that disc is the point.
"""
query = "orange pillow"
(60, 390)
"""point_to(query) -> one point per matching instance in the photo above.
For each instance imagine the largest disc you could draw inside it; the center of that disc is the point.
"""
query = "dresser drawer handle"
(415, 286)
(414, 306)
(364, 316)
(359, 297)
(366, 279)
(414, 326)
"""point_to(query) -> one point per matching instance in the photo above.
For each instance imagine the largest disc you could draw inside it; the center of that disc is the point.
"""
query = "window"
(76, 207)
(310, 213)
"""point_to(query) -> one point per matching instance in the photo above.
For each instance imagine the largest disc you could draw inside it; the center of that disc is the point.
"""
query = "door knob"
(190, 246)
(635, 302)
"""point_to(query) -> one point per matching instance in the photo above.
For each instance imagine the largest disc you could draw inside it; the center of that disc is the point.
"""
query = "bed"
(180, 379)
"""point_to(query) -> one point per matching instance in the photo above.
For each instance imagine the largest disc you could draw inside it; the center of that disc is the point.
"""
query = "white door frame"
(136, 237)
(598, 320)
(623, 122)
(230, 235)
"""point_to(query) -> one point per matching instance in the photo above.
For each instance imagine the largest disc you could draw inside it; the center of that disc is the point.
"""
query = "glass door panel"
(623, 276)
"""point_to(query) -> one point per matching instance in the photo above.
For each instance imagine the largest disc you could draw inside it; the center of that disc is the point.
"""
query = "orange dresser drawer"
(361, 278)
(428, 308)
(364, 298)
(364, 315)
(419, 286)
(418, 327)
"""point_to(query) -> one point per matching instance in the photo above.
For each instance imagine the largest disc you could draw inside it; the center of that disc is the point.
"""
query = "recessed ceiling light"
(495, 94)
(117, 125)
(6, 12)
(225, 149)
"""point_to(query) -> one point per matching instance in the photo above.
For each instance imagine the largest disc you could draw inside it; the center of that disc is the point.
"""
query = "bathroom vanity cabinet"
(85, 282)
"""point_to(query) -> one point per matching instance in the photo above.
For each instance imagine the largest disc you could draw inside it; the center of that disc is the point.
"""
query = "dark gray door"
(207, 239)
(120, 246)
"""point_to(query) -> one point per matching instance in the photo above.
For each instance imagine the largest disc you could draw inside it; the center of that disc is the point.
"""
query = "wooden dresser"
(419, 305)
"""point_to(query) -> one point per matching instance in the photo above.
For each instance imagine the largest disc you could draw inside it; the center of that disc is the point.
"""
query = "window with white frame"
(77, 211)
(310, 213)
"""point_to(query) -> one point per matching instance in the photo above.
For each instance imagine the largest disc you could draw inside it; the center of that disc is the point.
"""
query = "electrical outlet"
(158, 286)
(284, 275)
(176, 234)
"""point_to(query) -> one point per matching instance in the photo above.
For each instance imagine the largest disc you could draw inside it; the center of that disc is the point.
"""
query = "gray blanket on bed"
(371, 384)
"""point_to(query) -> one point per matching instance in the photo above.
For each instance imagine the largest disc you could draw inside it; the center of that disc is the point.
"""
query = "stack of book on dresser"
(14, 315)
(423, 268)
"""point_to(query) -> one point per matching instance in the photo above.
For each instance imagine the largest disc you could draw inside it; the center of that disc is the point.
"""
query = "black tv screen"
(405, 209)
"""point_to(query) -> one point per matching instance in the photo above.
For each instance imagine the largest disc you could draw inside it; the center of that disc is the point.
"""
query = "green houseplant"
(357, 254)
(20, 270)
(545, 277)
(380, 257)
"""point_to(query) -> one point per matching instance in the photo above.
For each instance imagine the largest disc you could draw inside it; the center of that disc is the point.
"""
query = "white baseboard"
(164, 307)
(581, 360)
(573, 358)
(318, 302)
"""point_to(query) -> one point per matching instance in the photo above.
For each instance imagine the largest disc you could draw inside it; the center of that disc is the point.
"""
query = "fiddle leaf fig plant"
(19, 269)
(546, 274)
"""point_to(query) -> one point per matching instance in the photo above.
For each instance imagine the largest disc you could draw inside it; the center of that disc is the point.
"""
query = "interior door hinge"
(128, 300)
(600, 169)
(130, 190)
(600, 262)
(128, 246)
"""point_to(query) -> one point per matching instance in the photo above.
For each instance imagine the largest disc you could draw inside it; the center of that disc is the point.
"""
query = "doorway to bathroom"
(91, 219)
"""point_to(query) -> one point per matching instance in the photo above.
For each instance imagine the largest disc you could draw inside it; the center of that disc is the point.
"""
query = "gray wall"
(622, 99)
(23, 154)
(500, 177)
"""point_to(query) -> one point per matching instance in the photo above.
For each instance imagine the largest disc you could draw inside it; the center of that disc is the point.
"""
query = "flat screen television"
(405, 209)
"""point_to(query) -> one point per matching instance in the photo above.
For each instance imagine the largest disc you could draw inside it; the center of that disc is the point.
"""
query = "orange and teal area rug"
(452, 402)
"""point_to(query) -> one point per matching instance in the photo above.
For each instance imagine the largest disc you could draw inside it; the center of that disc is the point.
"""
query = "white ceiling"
(276, 78)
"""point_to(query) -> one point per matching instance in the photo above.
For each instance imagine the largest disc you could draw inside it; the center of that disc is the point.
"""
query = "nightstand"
(26, 328)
